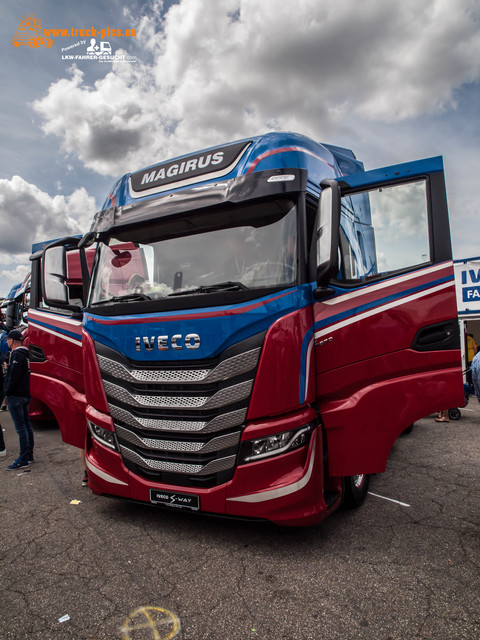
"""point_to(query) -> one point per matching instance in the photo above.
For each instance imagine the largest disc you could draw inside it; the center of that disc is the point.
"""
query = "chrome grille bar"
(234, 366)
(215, 444)
(215, 466)
(219, 423)
(235, 393)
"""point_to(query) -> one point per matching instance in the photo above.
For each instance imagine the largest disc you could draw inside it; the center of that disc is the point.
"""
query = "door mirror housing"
(11, 315)
(54, 278)
(327, 230)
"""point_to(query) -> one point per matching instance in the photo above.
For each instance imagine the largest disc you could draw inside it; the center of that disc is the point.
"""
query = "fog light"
(104, 436)
(274, 445)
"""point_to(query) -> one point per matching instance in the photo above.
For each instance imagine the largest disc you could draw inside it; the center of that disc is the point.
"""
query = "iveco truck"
(262, 320)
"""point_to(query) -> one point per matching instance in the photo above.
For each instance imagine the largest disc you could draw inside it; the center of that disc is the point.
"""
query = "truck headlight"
(104, 436)
(276, 444)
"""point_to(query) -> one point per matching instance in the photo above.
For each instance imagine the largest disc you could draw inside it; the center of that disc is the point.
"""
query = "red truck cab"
(263, 320)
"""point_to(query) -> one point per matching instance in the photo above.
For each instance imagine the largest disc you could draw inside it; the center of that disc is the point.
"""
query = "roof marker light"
(286, 177)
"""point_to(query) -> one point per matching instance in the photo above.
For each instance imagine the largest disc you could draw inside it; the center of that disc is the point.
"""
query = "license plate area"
(175, 500)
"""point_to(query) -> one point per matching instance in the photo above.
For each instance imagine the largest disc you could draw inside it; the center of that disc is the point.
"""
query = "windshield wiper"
(210, 288)
(125, 298)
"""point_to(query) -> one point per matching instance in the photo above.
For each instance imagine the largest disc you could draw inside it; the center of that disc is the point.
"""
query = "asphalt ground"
(77, 566)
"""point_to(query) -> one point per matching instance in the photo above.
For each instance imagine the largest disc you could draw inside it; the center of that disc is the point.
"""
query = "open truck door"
(59, 281)
(386, 337)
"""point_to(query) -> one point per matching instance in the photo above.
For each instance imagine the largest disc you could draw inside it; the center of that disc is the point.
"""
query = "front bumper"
(286, 489)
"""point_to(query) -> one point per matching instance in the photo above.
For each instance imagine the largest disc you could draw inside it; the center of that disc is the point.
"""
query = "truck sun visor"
(186, 170)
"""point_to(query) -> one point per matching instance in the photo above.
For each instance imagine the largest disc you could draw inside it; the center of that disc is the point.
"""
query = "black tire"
(355, 489)
(454, 414)
(408, 430)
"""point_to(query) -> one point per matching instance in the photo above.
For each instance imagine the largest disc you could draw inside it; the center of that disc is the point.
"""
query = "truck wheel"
(454, 414)
(409, 429)
(355, 490)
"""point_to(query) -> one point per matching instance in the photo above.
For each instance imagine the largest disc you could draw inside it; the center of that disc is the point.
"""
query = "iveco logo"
(164, 343)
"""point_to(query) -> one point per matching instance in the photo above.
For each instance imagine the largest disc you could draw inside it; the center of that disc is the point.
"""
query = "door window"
(384, 230)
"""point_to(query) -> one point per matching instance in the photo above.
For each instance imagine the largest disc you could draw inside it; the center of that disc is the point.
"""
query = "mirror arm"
(85, 274)
(321, 293)
(87, 240)
(69, 241)
(69, 307)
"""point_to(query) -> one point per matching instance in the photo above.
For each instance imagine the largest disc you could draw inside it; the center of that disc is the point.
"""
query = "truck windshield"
(249, 247)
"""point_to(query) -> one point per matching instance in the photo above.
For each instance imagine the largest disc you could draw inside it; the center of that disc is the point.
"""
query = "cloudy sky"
(394, 81)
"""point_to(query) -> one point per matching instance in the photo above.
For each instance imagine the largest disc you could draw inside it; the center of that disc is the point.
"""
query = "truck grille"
(180, 423)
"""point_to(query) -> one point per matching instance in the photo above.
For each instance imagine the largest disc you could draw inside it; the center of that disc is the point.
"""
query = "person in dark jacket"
(3, 358)
(4, 355)
(476, 374)
(17, 391)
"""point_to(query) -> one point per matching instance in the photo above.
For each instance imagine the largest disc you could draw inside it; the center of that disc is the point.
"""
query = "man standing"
(17, 390)
(476, 375)
(471, 351)
(3, 359)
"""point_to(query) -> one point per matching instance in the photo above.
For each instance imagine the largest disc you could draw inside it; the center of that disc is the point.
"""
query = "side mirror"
(54, 278)
(11, 315)
(327, 230)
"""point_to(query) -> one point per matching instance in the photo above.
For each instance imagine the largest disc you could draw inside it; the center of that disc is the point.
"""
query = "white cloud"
(7, 258)
(29, 215)
(10, 277)
(226, 70)
(464, 222)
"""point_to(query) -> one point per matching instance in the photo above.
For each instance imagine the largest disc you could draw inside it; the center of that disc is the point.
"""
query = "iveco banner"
(467, 282)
